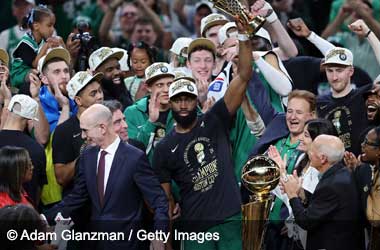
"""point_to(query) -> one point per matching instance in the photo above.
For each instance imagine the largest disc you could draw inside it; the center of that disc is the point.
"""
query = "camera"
(87, 45)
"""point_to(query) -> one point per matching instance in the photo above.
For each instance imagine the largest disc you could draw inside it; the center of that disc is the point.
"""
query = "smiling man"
(150, 118)
(344, 106)
(106, 61)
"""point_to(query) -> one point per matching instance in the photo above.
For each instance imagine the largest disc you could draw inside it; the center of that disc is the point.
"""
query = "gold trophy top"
(260, 175)
(235, 8)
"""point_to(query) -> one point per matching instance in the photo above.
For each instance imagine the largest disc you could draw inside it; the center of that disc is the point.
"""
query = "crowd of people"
(129, 115)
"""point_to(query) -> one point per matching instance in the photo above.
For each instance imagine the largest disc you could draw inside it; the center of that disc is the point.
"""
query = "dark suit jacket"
(332, 217)
(131, 180)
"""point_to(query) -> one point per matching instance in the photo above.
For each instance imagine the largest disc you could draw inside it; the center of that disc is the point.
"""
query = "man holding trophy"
(196, 154)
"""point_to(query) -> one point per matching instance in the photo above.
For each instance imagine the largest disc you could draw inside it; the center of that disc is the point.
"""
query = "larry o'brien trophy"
(260, 175)
(234, 8)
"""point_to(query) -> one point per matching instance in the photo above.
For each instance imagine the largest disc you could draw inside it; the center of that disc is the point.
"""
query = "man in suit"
(332, 217)
(115, 177)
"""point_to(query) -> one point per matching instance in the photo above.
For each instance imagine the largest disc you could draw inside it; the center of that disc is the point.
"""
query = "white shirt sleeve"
(279, 82)
(322, 44)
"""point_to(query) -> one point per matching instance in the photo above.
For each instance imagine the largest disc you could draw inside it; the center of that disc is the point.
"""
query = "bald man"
(332, 216)
(116, 178)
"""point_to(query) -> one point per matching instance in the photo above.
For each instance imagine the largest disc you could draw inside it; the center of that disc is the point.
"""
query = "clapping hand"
(291, 184)
(154, 107)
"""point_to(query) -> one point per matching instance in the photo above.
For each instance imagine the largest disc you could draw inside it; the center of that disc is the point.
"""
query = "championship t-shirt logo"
(200, 159)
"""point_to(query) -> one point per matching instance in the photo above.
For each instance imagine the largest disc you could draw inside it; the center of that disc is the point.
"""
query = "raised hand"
(35, 85)
(350, 160)
(154, 107)
(275, 155)
(359, 27)
(298, 26)
(208, 104)
(261, 8)
(202, 86)
(62, 100)
(73, 46)
(291, 184)
(4, 89)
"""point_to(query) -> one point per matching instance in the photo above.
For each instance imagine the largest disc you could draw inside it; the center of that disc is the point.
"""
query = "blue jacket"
(275, 122)
(51, 107)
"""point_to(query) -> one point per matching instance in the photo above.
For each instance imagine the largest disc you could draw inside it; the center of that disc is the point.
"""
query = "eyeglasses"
(128, 14)
(373, 144)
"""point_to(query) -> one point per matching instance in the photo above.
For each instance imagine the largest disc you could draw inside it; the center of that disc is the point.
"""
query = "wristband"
(272, 17)
(242, 37)
(369, 32)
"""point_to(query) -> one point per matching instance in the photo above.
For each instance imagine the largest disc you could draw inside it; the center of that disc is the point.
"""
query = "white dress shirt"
(111, 151)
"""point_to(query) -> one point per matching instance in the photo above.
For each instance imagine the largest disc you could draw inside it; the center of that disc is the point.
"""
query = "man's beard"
(376, 119)
(115, 90)
(185, 121)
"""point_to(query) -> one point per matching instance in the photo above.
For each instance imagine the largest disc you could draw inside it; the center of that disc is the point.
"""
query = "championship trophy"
(234, 8)
(260, 175)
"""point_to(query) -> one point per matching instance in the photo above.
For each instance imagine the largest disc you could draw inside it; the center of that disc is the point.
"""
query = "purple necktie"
(100, 177)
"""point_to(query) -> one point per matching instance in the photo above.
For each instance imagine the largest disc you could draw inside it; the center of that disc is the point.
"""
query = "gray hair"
(330, 146)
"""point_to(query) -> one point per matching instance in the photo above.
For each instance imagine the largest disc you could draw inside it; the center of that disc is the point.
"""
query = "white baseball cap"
(183, 73)
(182, 86)
(57, 52)
(28, 107)
(100, 55)
(158, 70)
(263, 34)
(340, 56)
(223, 33)
(212, 20)
(180, 46)
(124, 60)
(206, 3)
(80, 80)
(4, 58)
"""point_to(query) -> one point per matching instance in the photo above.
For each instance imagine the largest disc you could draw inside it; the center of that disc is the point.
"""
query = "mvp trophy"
(260, 175)
(234, 8)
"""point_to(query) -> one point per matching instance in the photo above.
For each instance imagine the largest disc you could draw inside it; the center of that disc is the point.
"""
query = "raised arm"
(278, 34)
(105, 26)
(236, 90)
(298, 26)
(362, 30)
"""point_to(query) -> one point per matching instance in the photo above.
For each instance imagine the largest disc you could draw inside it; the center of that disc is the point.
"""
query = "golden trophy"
(235, 8)
(260, 175)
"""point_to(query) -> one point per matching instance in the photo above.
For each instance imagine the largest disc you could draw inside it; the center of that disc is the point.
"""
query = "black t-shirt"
(67, 144)
(347, 114)
(36, 153)
(67, 141)
(200, 163)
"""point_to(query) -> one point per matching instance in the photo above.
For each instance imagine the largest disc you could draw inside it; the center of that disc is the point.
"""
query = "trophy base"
(255, 215)
(255, 24)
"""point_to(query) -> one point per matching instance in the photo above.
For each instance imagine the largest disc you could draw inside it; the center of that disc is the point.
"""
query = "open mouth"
(116, 80)
(372, 108)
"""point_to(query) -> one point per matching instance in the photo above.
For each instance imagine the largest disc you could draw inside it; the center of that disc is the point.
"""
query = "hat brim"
(201, 42)
(4, 57)
(118, 55)
(97, 77)
(57, 53)
(333, 62)
(156, 77)
(211, 24)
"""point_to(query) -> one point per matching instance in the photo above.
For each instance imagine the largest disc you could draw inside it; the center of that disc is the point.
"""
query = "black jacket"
(332, 217)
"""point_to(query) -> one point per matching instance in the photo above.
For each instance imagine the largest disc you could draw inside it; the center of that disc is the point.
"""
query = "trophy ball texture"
(260, 174)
